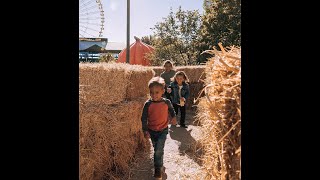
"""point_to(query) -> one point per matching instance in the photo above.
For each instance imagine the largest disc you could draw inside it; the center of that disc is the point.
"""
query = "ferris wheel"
(91, 18)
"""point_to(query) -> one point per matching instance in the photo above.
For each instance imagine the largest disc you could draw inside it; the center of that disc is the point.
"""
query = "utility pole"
(128, 32)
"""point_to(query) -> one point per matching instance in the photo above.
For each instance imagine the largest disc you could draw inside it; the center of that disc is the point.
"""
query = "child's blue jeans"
(158, 139)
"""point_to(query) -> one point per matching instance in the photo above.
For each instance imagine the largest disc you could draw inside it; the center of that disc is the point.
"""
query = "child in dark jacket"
(155, 121)
(167, 74)
(179, 92)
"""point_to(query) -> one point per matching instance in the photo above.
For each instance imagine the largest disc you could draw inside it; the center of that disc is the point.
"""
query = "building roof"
(99, 45)
(118, 46)
(84, 45)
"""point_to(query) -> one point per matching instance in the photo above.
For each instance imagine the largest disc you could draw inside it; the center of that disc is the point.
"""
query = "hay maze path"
(180, 157)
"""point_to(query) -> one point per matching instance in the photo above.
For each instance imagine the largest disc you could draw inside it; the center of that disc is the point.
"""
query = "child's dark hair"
(156, 81)
(180, 73)
(167, 62)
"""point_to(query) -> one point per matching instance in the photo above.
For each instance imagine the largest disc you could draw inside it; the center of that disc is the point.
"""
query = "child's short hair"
(156, 81)
(167, 62)
(181, 73)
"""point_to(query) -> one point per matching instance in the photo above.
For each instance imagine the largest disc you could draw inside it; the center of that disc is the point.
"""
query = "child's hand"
(182, 101)
(146, 134)
(174, 121)
(169, 90)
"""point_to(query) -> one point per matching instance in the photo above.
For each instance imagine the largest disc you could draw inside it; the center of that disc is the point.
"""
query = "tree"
(107, 58)
(148, 40)
(221, 23)
(176, 38)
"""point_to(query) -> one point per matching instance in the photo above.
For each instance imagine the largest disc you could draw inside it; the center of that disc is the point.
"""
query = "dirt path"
(180, 160)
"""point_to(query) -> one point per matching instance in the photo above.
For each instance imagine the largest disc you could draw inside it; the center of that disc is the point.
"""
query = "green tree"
(176, 38)
(106, 58)
(220, 23)
(148, 39)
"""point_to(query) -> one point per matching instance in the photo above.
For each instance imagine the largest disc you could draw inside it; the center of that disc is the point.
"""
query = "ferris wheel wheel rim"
(100, 18)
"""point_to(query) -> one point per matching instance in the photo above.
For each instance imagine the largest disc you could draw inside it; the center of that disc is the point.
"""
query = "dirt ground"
(180, 154)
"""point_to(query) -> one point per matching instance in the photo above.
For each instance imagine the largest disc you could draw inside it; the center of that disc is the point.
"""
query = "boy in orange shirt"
(155, 121)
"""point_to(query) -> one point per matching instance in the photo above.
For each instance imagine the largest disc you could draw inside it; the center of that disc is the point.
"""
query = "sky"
(144, 14)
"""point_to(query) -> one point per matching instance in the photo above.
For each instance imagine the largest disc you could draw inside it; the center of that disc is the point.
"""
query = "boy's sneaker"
(183, 126)
(157, 173)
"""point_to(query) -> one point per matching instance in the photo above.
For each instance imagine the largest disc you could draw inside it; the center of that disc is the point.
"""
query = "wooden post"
(128, 32)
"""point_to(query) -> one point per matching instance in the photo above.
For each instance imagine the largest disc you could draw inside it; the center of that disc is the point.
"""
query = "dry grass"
(195, 92)
(157, 69)
(111, 83)
(195, 73)
(101, 82)
(220, 115)
(138, 83)
(109, 137)
(111, 99)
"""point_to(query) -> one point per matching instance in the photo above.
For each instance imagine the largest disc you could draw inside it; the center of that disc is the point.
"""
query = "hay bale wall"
(109, 136)
(110, 124)
(194, 73)
(220, 115)
(102, 82)
(157, 69)
(111, 83)
(138, 83)
(195, 90)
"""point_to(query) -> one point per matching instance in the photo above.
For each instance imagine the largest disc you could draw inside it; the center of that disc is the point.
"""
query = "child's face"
(179, 79)
(167, 67)
(156, 93)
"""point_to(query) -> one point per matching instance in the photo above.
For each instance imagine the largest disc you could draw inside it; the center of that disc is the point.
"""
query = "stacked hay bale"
(111, 100)
(193, 72)
(196, 75)
(219, 114)
(157, 69)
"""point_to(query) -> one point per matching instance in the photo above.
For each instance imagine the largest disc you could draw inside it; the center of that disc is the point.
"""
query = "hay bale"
(109, 137)
(138, 77)
(195, 93)
(101, 82)
(111, 83)
(110, 128)
(194, 73)
(219, 114)
(157, 69)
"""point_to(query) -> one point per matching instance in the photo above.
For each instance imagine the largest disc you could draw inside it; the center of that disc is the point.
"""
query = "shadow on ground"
(142, 168)
(183, 135)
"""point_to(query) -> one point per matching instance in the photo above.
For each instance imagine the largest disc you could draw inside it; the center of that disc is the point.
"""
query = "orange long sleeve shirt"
(155, 114)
